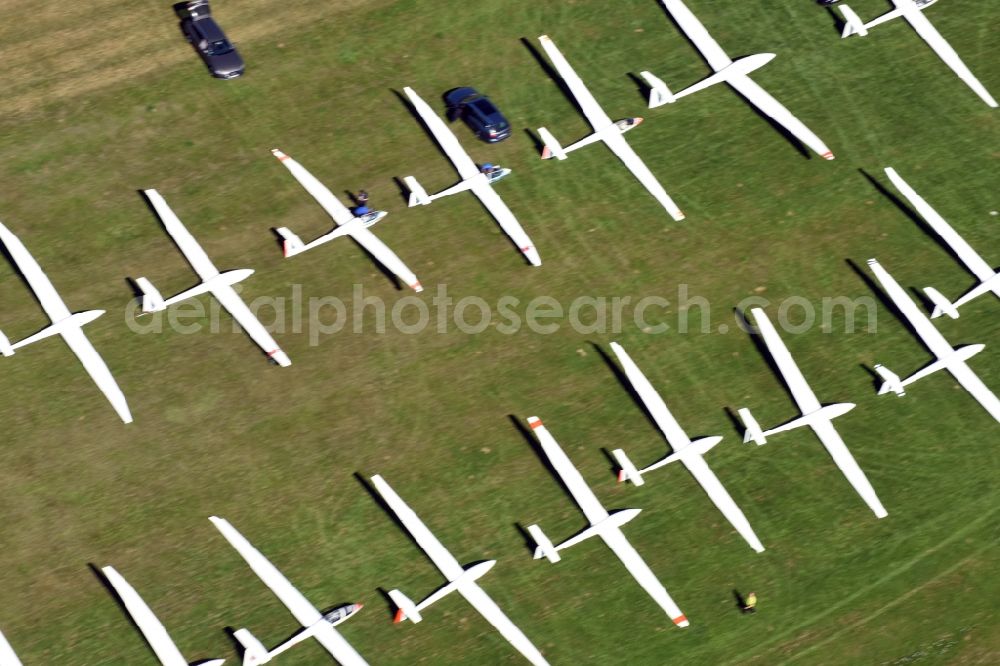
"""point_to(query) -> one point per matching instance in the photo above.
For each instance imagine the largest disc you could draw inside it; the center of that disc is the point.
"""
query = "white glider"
(603, 524)
(948, 358)
(688, 452)
(315, 624)
(461, 580)
(813, 415)
(7, 656)
(348, 225)
(150, 626)
(68, 325)
(989, 279)
(604, 130)
(911, 10)
(219, 284)
(735, 73)
(473, 179)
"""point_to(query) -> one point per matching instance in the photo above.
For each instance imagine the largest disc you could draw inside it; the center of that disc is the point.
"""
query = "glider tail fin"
(891, 381)
(290, 243)
(405, 609)
(543, 547)
(659, 93)
(941, 304)
(5, 347)
(551, 147)
(254, 651)
(626, 470)
(151, 298)
(418, 195)
(853, 25)
(753, 431)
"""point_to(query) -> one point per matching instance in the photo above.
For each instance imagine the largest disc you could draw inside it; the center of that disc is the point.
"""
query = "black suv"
(205, 35)
(478, 112)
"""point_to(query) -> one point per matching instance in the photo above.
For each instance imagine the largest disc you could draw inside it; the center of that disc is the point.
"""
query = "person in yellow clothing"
(750, 605)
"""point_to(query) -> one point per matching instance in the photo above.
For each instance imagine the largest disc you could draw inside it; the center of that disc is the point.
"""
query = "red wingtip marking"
(400, 616)
(680, 620)
(537, 423)
(621, 475)
(828, 155)
(272, 353)
(546, 153)
(526, 249)
(358, 607)
(416, 286)
(638, 121)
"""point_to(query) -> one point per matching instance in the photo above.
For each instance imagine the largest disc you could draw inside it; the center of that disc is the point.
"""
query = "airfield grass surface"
(104, 98)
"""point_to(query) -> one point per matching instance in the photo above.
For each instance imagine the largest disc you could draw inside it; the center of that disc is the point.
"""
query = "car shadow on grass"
(450, 112)
(182, 13)
(181, 10)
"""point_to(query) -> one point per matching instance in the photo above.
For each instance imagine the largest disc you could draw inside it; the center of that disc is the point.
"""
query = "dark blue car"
(207, 38)
(479, 113)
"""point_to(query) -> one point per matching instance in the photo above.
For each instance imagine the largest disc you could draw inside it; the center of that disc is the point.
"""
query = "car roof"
(490, 114)
(458, 94)
(209, 29)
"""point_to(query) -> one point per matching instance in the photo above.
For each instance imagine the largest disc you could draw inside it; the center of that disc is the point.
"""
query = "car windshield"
(220, 47)
(484, 107)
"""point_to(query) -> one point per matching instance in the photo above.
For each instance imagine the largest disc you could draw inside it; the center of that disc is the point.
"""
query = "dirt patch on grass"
(106, 44)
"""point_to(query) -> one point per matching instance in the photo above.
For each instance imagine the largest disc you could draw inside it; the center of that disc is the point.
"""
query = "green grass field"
(105, 98)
